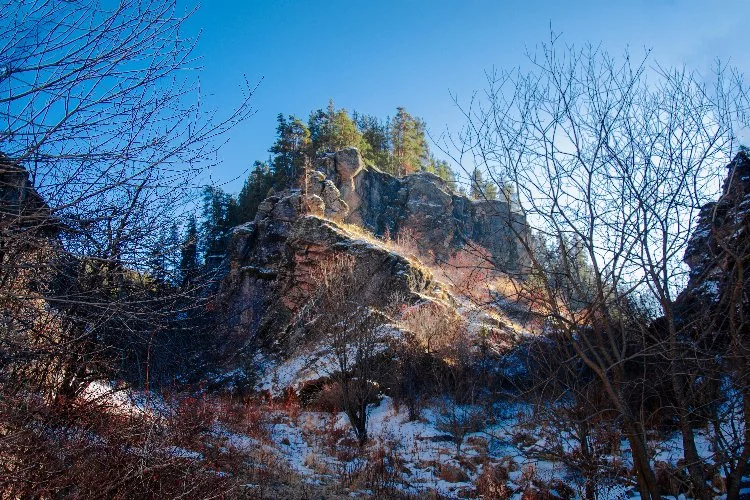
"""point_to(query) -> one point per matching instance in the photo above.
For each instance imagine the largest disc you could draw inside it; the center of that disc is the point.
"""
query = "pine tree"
(332, 130)
(490, 191)
(377, 136)
(476, 186)
(408, 142)
(253, 192)
(218, 214)
(157, 267)
(189, 264)
(163, 256)
(172, 250)
(442, 169)
(290, 150)
(481, 189)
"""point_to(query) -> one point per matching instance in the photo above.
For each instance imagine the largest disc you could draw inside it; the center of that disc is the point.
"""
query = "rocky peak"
(424, 206)
(273, 259)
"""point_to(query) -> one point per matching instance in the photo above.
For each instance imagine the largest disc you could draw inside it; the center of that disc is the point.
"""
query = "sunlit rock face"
(423, 207)
(272, 261)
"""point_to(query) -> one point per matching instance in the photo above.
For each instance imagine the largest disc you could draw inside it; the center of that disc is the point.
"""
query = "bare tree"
(617, 156)
(97, 103)
(102, 135)
(355, 334)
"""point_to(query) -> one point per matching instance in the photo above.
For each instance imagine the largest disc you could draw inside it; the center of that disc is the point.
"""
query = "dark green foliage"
(164, 255)
(376, 134)
(189, 264)
(490, 191)
(409, 146)
(442, 169)
(397, 146)
(332, 130)
(481, 189)
(219, 216)
(253, 192)
(290, 150)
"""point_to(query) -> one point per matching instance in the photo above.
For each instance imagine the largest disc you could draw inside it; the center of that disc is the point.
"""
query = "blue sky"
(375, 55)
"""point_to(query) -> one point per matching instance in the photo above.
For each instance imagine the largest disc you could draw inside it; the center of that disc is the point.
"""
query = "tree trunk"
(646, 479)
(735, 482)
(694, 463)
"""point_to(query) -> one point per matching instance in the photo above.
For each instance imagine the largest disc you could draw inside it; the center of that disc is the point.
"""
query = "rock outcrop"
(423, 206)
(20, 204)
(720, 239)
(272, 262)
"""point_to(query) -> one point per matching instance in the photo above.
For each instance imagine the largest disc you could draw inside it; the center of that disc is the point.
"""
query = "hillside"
(544, 299)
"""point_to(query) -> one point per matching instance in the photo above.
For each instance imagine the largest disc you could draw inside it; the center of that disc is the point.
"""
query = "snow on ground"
(321, 447)
(422, 447)
(125, 401)
(309, 364)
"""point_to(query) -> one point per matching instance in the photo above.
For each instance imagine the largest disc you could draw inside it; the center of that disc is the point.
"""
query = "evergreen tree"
(490, 191)
(219, 209)
(476, 184)
(481, 189)
(157, 260)
(408, 142)
(377, 136)
(290, 150)
(163, 256)
(442, 169)
(253, 192)
(509, 193)
(189, 264)
(332, 130)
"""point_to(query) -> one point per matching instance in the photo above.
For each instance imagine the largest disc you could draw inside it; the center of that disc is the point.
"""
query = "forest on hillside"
(545, 302)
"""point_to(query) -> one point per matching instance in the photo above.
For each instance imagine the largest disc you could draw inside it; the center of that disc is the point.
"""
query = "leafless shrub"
(355, 335)
(459, 420)
(493, 482)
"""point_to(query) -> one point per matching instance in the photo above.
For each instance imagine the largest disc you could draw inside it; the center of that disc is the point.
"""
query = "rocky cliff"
(424, 206)
(272, 260)
(720, 241)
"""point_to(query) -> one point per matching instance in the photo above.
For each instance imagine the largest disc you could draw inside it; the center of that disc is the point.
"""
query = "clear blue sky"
(375, 55)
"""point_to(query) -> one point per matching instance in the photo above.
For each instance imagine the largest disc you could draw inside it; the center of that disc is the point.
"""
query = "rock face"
(272, 263)
(272, 260)
(721, 237)
(423, 206)
(20, 204)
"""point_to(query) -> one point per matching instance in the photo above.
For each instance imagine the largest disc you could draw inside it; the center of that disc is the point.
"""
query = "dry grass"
(434, 326)
(403, 245)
